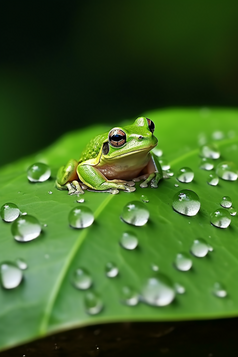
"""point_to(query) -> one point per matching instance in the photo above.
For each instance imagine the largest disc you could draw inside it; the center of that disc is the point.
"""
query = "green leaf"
(46, 300)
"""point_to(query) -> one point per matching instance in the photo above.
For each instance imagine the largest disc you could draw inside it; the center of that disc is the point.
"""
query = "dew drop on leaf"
(232, 211)
(21, 264)
(200, 248)
(154, 267)
(185, 175)
(111, 270)
(9, 212)
(38, 172)
(213, 179)
(158, 152)
(210, 151)
(26, 228)
(129, 241)
(167, 174)
(158, 291)
(218, 135)
(183, 262)
(226, 202)
(81, 217)
(219, 290)
(206, 164)
(164, 164)
(129, 296)
(81, 200)
(220, 218)
(227, 171)
(93, 303)
(144, 199)
(186, 202)
(180, 289)
(81, 279)
(11, 275)
(135, 213)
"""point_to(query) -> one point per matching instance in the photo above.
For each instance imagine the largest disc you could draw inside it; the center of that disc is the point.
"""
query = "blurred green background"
(69, 64)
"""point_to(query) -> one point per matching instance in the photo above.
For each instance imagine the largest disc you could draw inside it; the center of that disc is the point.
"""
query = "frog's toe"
(154, 183)
(130, 183)
(144, 184)
(129, 189)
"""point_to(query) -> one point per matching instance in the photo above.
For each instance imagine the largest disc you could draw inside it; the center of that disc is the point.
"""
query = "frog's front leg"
(67, 178)
(154, 173)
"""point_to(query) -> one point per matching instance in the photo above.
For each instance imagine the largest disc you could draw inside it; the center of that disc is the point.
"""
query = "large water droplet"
(26, 228)
(186, 202)
(219, 290)
(129, 296)
(183, 262)
(129, 241)
(38, 172)
(11, 275)
(213, 179)
(206, 164)
(80, 217)
(158, 291)
(232, 211)
(200, 248)
(185, 175)
(9, 212)
(227, 171)
(21, 264)
(93, 303)
(221, 218)
(111, 270)
(164, 164)
(210, 151)
(226, 202)
(82, 279)
(135, 213)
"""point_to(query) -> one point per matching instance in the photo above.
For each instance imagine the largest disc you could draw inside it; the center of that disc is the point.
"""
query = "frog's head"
(132, 139)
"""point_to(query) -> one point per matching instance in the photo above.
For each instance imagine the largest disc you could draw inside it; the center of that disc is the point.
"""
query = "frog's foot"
(140, 178)
(74, 188)
(151, 179)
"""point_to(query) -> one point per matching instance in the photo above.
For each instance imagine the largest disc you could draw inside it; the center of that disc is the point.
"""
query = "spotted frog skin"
(114, 161)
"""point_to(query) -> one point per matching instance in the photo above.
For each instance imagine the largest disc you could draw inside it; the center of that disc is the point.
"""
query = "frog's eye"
(117, 137)
(151, 125)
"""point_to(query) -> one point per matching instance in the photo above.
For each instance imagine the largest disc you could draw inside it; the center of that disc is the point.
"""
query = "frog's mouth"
(131, 153)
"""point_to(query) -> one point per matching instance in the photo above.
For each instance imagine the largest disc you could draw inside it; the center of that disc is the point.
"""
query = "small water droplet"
(9, 212)
(11, 275)
(81, 217)
(186, 202)
(144, 198)
(206, 164)
(226, 202)
(218, 135)
(129, 241)
(38, 172)
(158, 152)
(167, 174)
(81, 279)
(227, 171)
(21, 264)
(129, 296)
(111, 270)
(200, 248)
(176, 185)
(26, 228)
(50, 192)
(164, 164)
(213, 179)
(46, 256)
(210, 151)
(154, 267)
(185, 175)
(183, 262)
(232, 211)
(220, 218)
(219, 290)
(179, 288)
(93, 303)
(135, 213)
(81, 200)
(158, 291)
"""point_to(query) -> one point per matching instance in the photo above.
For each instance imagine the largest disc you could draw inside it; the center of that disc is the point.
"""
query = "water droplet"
(183, 262)
(111, 270)
(167, 174)
(81, 279)
(93, 303)
(26, 228)
(144, 198)
(210, 151)
(226, 202)
(232, 211)
(11, 275)
(213, 180)
(129, 296)
(221, 218)
(158, 152)
(206, 164)
(129, 241)
(81, 200)
(164, 164)
(185, 175)
(186, 202)
(200, 248)
(219, 290)
(38, 172)
(154, 267)
(158, 291)
(9, 212)
(50, 192)
(81, 217)
(21, 264)
(218, 135)
(176, 185)
(135, 213)
(179, 288)
(227, 171)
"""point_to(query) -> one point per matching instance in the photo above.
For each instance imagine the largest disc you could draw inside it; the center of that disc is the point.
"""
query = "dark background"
(68, 64)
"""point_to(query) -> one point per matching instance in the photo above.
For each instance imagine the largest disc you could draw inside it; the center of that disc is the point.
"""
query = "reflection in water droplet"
(186, 202)
(232, 211)
(183, 262)
(219, 290)
(158, 152)
(206, 164)
(129, 241)
(93, 303)
(11, 275)
(111, 270)
(213, 179)
(129, 296)
(81, 200)
(21, 264)
(26, 228)
(38, 172)
(200, 248)
(164, 164)
(80, 217)
(226, 202)
(144, 198)
(227, 171)
(185, 175)
(135, 213)
(158, 291)
(179, 288)
(81, 279)
(220, 218)
(9, 212)
(210, 151)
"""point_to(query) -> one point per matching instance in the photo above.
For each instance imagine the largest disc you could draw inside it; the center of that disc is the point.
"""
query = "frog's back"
(92, 149)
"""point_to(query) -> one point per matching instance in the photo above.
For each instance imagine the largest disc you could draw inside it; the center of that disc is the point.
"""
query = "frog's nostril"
(141, 137)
